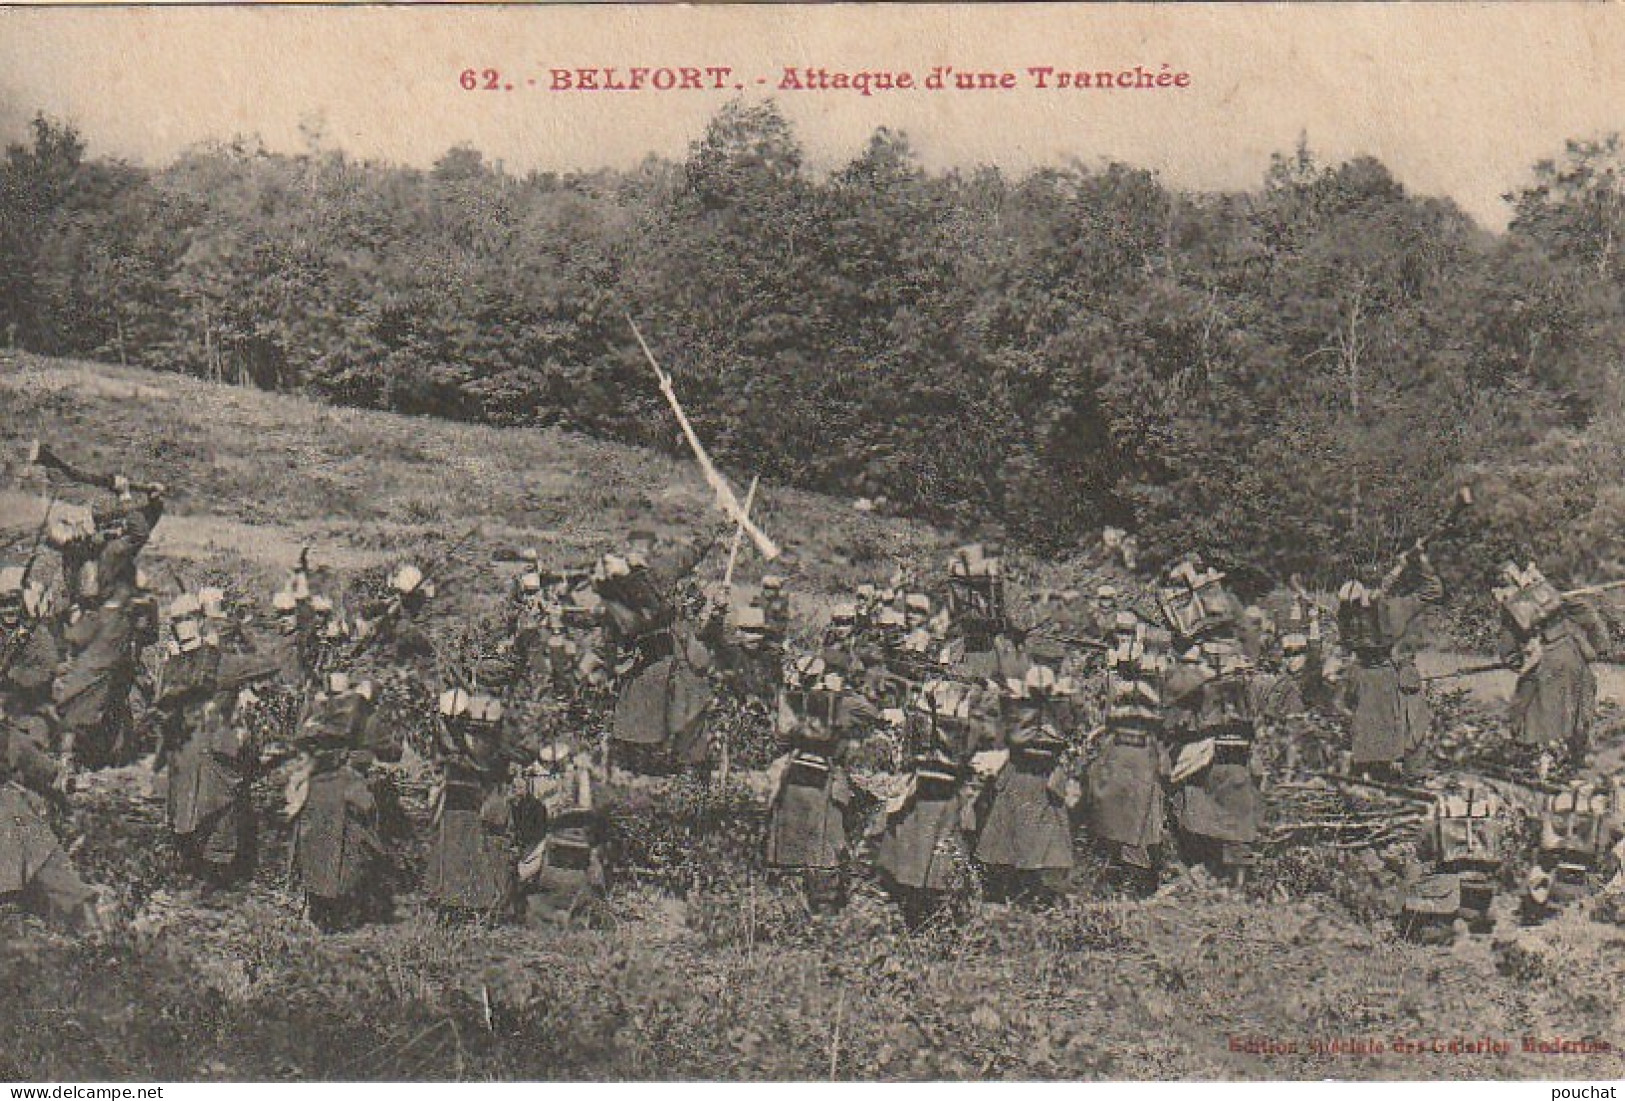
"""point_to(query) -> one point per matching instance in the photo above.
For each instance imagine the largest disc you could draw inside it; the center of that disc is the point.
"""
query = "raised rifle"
(40, 455)
(726, 500)
(1459, 504)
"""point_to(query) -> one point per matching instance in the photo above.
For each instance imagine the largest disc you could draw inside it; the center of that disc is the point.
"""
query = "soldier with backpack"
(1384, 696)
(1545, 641)
(343, 818)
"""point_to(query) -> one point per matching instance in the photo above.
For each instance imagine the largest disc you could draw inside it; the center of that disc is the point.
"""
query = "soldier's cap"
(1126, 623)
(806, 669)
(843, 613)
(772, 581)
(556, 753)
(613, 565)
(1354, 593)
(750, 618)
(891, 617)
(530, 582)
(321, 605)
(185, 606)
(485, 709)
(212, 599)
(866, 591)
(453, 703)
(917, 602)
(187, 635)
(283, 602)
(1294, 643)
(1106, 592)
(529, 554)
(407, 579)
(337, 683)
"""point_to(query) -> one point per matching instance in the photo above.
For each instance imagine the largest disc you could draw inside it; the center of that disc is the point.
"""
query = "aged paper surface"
(1192, 433)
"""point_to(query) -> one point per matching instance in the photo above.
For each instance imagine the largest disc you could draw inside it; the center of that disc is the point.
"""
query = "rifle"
(1459, 504)
(1592, 590)
(1099, 645)
(40, 455)
(726, 500)
(1469, 671)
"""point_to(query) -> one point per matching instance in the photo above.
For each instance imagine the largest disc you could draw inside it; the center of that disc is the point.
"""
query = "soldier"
(1554, 704)
(567, 867)
(99, 552)
(29, 653)
(343, 818)
(660, 659)
(211, 817)
(188, 673)
(1459, 856)
(1579, 828)
(1127, 812)
(92, 694)
(922, 851)
(394, 627)
(310, 619)
(811, 795)
(975, 606)
(1025, 840)
(775, 611)
(35, 872)
(1384, 697)
(1212, 717)
(472, 866)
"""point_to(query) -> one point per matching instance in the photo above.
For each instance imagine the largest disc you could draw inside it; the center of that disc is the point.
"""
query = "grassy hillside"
(711, 970)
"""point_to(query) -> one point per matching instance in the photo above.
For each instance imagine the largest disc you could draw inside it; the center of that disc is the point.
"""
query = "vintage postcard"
(855, 542)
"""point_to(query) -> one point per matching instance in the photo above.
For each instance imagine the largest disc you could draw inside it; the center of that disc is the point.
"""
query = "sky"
(1457, 99)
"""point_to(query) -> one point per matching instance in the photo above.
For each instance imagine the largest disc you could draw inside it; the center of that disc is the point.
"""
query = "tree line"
(1291, 378)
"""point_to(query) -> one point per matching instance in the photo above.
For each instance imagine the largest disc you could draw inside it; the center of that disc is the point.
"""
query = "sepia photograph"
(795, 543)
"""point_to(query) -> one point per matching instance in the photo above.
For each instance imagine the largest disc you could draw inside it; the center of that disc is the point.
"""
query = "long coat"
(923, 844)
(93, 695)
(1125, 790)
(1391, 717)
(474, 862)
(1221, 803)
(338, 845)
(26, 840)
(806, 825)
(209, 807)
(1027, 826)
(1555, 702)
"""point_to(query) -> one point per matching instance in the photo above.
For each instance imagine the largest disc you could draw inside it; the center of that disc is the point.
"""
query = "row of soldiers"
(1189, 689)
(1001, 751)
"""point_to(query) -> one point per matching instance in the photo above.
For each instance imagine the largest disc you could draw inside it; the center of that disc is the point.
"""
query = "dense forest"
(1292, 378)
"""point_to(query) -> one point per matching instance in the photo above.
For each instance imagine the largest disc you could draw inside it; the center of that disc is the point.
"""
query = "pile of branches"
(1344, 813)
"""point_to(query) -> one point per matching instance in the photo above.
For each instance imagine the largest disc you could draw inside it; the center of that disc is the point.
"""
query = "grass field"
(710, 970)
